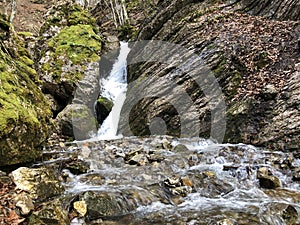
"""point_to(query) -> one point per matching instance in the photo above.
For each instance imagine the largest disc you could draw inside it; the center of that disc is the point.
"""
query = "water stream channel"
(167, 180)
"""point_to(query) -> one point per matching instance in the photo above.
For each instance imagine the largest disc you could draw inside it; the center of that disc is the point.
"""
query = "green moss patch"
(24, 111)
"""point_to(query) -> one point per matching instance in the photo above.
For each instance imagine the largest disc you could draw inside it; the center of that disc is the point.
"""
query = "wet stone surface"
(164, 180)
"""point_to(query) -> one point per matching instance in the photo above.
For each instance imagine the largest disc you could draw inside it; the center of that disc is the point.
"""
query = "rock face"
(253, 62)
(278, 9)
(24, 111)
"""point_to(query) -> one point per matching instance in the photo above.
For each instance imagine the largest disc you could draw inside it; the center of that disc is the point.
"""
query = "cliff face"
(24, 111)
(253, 59)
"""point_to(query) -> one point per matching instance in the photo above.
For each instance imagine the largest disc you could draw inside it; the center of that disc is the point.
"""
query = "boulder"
(77, 121)
(68, 43)
(40, 183)
(51, 212)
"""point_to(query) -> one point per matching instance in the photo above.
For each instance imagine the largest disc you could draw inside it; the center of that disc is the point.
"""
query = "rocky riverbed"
(158, 180)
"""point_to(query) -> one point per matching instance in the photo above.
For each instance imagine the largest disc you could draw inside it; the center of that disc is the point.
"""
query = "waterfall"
(114, 88)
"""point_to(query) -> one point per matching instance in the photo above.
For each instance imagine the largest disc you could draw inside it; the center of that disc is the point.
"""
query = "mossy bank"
(24, 111)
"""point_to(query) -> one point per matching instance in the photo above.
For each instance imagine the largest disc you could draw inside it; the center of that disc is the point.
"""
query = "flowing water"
(114, 88)
(167, 180)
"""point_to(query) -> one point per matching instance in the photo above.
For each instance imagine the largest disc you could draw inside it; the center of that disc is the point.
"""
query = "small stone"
(210, 174)
(269, 92)
(224, 222)
(230, 167)
(62, 145)
(172, 182)
(296, 175)
(290, 215)
(186, 181)
(182, 191)
(80, 207)
(139, 160)
(267, 180)
(167, 145)
(180, 148)
(24, 203)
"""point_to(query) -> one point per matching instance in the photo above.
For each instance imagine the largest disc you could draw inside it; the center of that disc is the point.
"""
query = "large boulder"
(24, 111)
(40, 183)
(69, 42)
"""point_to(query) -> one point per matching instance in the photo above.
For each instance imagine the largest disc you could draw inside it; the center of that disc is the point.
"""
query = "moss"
(27, 61)
(25, 34)
(68, 15)
(77, 43)
(24, 111)
(126, 31)
(106, 103)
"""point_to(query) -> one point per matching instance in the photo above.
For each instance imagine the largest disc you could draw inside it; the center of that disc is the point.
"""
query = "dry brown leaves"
(267, 48)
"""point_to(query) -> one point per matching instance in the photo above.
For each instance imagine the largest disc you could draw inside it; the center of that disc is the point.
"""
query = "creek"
(167, 180)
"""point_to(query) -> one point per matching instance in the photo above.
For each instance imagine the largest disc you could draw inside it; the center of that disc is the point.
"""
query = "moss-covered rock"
(103, 108)
(24, 112)
(69, 41)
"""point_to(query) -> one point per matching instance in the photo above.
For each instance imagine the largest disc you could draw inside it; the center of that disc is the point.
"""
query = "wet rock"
(275, 212)
(296, 175)
(103, 108)
(267, 180)
(51, 212)
(114, 204)
(24, 203)
(230, 167)
(80, 207)
(209, 185)
(290, 215)
(77, 167)
(156, 156)
(72, 122)
(40, 183)
(167, 144)
(139, 159)
(180, 148)
(179, 186)
(224, 222)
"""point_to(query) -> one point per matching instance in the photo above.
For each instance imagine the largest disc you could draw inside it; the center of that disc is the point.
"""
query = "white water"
(114, 88)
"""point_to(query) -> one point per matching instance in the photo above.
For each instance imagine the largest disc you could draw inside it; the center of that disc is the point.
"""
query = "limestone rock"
(51, 212)
(80, 207)
(267, 180)
(40, 183)
(24, 203)
(68, 43)
(78, 121)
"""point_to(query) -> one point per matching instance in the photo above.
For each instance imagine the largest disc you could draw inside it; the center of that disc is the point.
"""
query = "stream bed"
(165, 180)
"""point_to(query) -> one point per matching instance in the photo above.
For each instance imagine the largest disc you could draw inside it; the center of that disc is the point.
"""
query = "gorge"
(207, 131)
